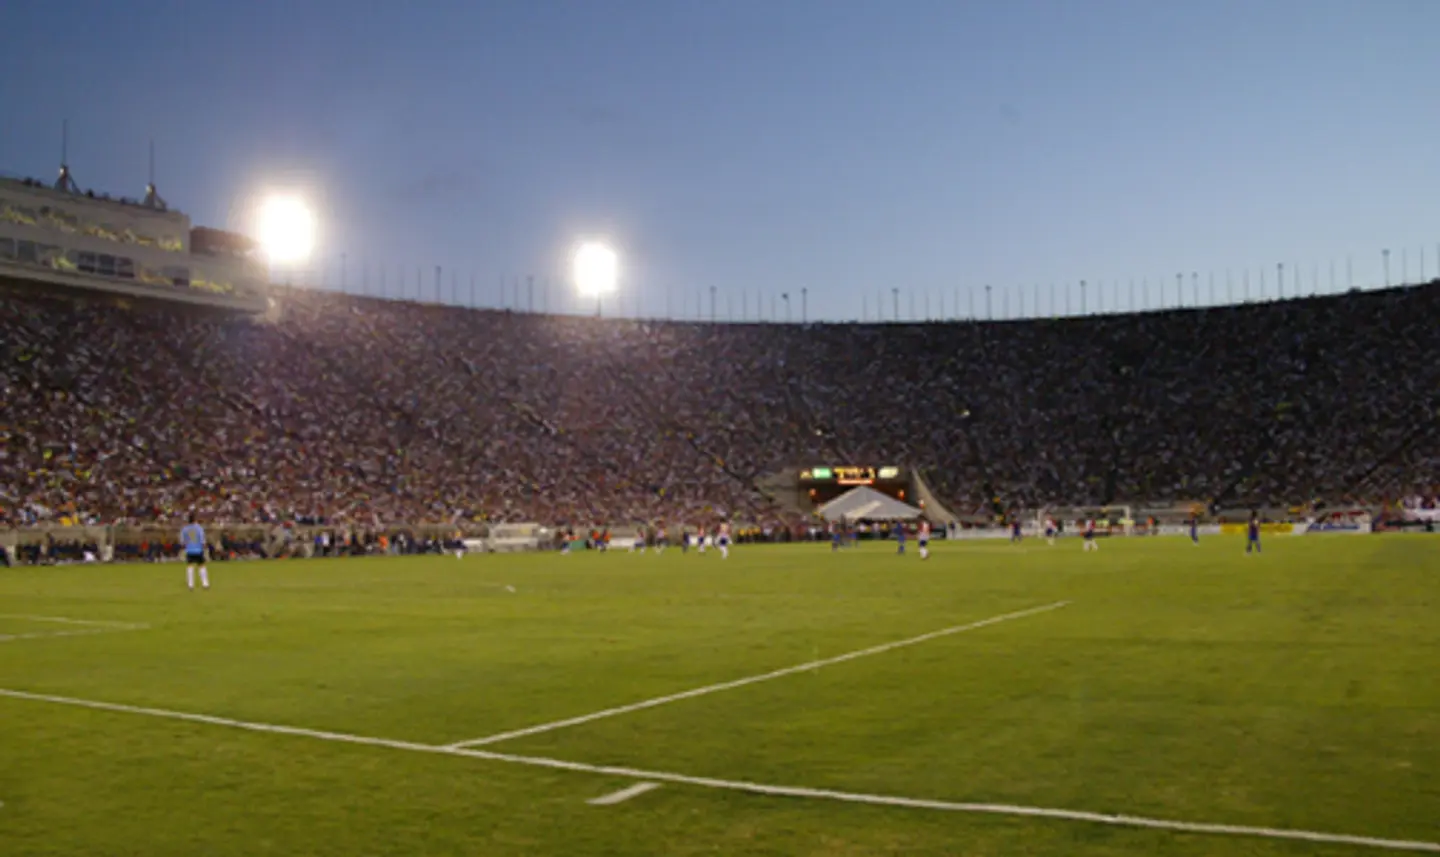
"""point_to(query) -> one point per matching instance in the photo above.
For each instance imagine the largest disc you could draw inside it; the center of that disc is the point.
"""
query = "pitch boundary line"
(90, 627)
(1013, 810)
(754, 679)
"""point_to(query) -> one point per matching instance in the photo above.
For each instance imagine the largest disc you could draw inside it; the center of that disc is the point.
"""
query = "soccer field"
(994, 700)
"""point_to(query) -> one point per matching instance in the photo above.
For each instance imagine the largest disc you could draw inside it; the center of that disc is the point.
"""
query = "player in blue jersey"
(1195, 529)
(1252, 533)
(1015, 530)
(192, 538)
(900, 536)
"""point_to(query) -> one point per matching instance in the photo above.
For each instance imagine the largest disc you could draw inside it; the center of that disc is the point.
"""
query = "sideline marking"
(754, 679)
(623, 795)
(754, 788)
(89, 627)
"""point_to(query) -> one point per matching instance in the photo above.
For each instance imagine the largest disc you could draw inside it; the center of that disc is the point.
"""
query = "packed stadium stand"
(346, 408)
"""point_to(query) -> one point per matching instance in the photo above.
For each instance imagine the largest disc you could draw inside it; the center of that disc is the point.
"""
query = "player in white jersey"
(1050, 530)
(923, 537)
(1090, 543)
(722, 541)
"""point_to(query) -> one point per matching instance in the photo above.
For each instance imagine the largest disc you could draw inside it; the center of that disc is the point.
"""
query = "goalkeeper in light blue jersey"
(192, 538)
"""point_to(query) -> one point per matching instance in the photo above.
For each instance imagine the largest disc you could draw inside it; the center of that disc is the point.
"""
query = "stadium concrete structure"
(69, 238)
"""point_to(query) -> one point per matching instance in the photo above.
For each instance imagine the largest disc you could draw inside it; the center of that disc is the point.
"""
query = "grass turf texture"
(1296, 689)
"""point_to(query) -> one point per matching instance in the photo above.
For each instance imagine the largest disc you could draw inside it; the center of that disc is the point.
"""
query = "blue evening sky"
(847, 147)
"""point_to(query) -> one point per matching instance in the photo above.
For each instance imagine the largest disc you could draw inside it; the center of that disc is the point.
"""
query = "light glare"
(596, 270)
(286, 230)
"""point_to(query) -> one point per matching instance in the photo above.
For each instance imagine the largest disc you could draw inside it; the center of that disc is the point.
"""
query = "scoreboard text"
(850, 475)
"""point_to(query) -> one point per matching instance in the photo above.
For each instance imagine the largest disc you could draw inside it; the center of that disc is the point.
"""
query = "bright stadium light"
(597, 269)
(286, 229)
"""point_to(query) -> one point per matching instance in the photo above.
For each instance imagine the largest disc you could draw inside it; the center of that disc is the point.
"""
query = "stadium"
(818, 690)
(825, 428)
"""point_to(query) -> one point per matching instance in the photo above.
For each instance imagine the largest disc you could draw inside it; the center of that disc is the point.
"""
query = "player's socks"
(190, 576)
(204, 578)
(724, 552)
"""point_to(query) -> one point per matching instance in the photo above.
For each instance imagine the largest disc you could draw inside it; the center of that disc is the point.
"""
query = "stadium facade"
(59, 235)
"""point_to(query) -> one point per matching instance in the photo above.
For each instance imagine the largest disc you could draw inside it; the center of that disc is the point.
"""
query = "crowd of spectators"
(368, 411)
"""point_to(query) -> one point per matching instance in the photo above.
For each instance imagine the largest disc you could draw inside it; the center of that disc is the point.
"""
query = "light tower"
(597, 272)
(285, 228)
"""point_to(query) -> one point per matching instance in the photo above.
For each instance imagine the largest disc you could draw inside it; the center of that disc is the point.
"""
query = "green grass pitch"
(1297, 690)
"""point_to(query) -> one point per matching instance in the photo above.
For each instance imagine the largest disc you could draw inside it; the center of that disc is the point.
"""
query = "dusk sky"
(846, 147)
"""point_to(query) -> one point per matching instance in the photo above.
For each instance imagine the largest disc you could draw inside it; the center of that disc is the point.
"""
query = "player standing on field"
(1050, 531)
(1090, 543)
(192, 537)
(900, 536)
(923, 537)
(722, 541)
(1252, 537)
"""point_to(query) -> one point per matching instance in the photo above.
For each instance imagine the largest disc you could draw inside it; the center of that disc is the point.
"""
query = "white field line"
(753, 788)
(65, 620)
(624, 794)
(89, 627)
(754, 679)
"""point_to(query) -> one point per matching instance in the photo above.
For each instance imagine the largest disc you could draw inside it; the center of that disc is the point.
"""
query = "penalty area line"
(623, 795)
(1114, 820)
(754, 679)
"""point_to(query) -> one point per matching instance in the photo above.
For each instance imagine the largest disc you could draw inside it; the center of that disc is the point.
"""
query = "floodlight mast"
(286, 229)
(596, 272)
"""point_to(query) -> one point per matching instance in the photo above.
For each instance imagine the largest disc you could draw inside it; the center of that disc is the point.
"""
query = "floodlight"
(286, 229)
(596, 270)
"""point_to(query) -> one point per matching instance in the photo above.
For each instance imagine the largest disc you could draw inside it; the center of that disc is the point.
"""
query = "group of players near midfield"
(841, 534)
(192, 540)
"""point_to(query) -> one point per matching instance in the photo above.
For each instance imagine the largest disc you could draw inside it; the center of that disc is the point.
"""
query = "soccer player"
(900, 536)
(923, 537)
(1195, 529)
(700, 537)
(1015, 530)
(192, 537)
(660, 540)
(1050, 531)
(1252, 538)
(1090, 543)
(722, 541)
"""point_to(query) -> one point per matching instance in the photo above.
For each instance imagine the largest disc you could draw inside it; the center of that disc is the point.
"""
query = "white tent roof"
(867, 504)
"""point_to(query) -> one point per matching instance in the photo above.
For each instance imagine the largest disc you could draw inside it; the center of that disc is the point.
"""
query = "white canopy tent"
(867, 504)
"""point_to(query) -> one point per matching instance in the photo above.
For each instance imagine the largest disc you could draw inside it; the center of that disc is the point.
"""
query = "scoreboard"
(824, 484)
(851, 476)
